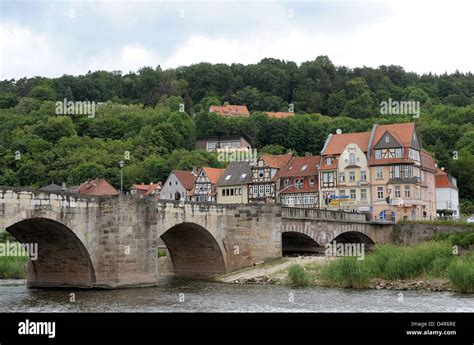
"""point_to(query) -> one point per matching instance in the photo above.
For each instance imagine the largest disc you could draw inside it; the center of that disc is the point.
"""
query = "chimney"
(194, 170)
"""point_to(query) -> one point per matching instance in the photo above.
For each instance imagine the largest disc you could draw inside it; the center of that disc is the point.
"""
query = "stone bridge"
(111, 241)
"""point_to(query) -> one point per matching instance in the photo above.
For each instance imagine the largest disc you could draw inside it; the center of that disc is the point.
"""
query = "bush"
(347, 272)
(439, 266)
(461, 275)
(298, 276)
(13, 267)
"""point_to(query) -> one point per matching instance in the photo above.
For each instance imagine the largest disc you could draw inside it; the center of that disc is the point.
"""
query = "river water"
(180, 295)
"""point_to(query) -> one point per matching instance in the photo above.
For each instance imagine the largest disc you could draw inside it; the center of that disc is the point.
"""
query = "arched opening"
(296, 243)
(194, 251)
(354, 237)
(62, 259)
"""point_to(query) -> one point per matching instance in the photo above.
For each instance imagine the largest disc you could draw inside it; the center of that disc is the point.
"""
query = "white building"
(447, 196)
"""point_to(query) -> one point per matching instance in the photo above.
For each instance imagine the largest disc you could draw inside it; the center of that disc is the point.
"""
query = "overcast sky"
(52, 38)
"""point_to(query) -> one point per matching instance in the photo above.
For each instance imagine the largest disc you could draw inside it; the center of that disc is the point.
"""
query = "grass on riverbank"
(429, 260)
(13, 267)
(461, 239)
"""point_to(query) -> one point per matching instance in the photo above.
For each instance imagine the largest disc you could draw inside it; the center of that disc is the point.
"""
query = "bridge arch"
(62, 259)
(353, 237)
(194, 251)
(295, 242)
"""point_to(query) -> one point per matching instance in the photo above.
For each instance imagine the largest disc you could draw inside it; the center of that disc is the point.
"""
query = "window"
(397, 192)
(352, 159)
(328, 176)
(223, 192)
(261, 189)
(232, 191)
(398, 153)
(311, 199)
(396, 171)
(363, 175)
(286, 182)
(304, 167)
(378, 154)
(406, 171)
(379, 173)
(379, 192)
(407, 191)
(169, 183)
(417, 191)
(328, 161)
(352, 176)
(227, 178)
(363, 194)
(342, 193)
(299, 184)
(342, 177)
(353, 194)
(211, 146)
(267, 189)
(243, 176)
(299, 199)
(311, 182)
(305, 199)
(260, 173)
(176, 183)
(387, 139)
(255, 190)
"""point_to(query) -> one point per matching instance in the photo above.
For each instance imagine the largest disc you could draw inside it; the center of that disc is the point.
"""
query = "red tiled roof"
(279, 114)
(277, 161)
(97, 187)
(186, 178)
(213, 174)
(403, 132)
(442, 180)
(338, 142)
(229, 110)
(294, 168)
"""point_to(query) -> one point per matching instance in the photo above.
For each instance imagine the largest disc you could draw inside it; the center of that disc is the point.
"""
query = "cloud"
(421, 36)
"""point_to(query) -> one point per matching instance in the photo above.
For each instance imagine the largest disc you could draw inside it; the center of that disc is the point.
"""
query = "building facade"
(447, 195)
(297, 183)
(205, 184)
(232, 187)
(178, 186)
(262, 187)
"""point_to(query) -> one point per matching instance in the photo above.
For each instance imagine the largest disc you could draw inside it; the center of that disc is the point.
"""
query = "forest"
(140, 120)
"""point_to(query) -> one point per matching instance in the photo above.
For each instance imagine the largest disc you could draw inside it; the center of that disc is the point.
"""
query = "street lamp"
(121, 165)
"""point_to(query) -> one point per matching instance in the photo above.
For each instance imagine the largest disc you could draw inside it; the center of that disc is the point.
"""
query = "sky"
(51, 38)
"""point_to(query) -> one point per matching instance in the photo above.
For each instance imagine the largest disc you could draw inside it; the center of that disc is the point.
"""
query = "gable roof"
(186, 178)
(338, 142)
(277, 161)
(402, 132)
(279, 114)
(236, 170)
(229, 110)
(296, 165)
(213, 174)
(97, 187)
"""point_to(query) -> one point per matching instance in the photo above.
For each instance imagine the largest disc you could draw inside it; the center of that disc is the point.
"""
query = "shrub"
(347, 272)
(13, 267)
(461, 275)
(298, 276)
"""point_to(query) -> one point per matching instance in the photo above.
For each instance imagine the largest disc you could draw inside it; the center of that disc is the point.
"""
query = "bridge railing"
(320, 214)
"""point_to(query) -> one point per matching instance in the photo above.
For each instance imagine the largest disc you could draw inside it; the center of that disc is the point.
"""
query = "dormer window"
(328, 161)
(304, 167)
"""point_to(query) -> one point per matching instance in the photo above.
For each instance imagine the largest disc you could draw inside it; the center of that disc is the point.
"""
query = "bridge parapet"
(326, 215)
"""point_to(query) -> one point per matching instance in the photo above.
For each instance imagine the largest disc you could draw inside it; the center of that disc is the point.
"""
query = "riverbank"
(429, 266)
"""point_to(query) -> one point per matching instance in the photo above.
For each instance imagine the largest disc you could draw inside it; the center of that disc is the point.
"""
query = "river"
(181, 295)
